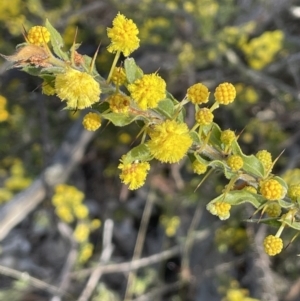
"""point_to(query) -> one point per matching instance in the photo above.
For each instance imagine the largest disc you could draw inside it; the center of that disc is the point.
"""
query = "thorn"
(94, 58)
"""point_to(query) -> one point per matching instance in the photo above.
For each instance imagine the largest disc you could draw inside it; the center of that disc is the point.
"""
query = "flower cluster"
(261, 51)
(132, 96)
(68, 203)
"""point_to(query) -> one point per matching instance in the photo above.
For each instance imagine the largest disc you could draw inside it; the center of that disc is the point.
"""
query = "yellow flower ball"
(273, 209)
(38, 35)
(91, 121)
(272, 190)
(123, 35)
(79, 89)
(227, 137)
(235, 162)
(198, 94)
(225, 93)
(273, 245)
(204, 116)
(265, 158)
(294, 191)
(134, 174)
(169, 141)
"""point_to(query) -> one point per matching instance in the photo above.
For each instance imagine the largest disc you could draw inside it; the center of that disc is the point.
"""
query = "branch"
(65, 160)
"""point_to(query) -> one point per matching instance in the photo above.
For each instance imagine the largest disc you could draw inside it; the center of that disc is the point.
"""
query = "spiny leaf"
(56, 41)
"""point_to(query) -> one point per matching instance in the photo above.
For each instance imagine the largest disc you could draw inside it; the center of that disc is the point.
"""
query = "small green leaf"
(32, 70)
(237, 197)
(214, 132)
(293, 224)
(222, 165)
(251, 164)
(285, 204)
(101, 107)
(56, 41)
(52, 70)
(119, 119)
(166, 108)
(140, 152)
(132, 70)
(194, 135)
(282, 182)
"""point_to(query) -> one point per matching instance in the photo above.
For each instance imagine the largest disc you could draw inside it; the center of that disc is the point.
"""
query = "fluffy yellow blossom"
(118, 76)
(273, 245)
(272, 190)
(79, 89)
(220, 209)
(123, 35)
(134, 174)
(38, 35)
(225, 93)
(198, 94)
(169, 141)
(91, 121)
(204, 116)
(119, 103)
(148, 90)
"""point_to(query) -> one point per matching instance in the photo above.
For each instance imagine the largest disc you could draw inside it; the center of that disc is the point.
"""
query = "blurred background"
(254, 45)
